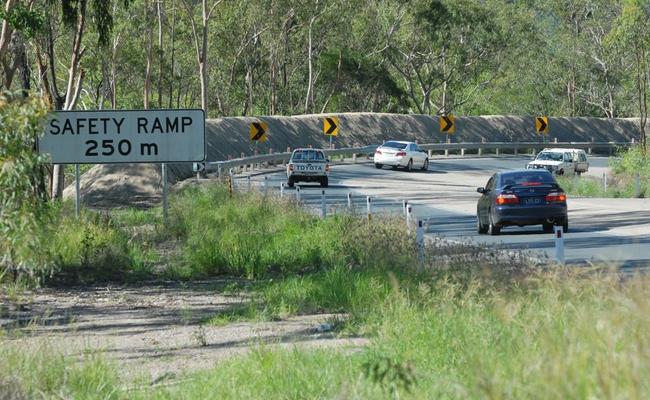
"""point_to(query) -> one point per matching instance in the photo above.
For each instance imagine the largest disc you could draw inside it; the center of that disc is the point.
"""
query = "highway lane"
(613, 231)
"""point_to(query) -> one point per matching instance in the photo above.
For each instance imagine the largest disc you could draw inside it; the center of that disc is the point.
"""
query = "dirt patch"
(154, 331)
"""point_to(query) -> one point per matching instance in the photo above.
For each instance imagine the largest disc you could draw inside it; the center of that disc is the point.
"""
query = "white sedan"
(401, 154)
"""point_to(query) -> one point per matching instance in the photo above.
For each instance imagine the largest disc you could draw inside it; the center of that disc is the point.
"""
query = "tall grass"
(559, 336)
(253, 235)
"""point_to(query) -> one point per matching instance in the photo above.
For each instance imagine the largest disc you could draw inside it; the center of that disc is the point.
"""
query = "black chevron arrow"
(542, 124)
(260, 131)
(448, 123)
(332, 127)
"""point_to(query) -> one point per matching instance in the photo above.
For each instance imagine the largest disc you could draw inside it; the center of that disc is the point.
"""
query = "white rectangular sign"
(124, 136)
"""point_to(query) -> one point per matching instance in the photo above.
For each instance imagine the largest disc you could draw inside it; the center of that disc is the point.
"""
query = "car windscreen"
(308, 155)
(395, 145)
(549, 156)
(526, 178)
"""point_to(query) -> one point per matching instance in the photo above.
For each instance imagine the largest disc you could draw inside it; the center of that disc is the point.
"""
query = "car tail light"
(531, 184)
(556, 197)
(327, 168)
(507, 198)
(377, 151)
(400, 154)
(290, 167)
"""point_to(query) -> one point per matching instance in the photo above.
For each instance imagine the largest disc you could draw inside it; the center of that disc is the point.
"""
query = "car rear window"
(549, 156)
(395, 145)
(308, 155)
(526, 178)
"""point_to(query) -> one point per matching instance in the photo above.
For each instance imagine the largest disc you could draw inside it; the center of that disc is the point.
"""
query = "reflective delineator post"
(323, 206)
(297, 193)
(369, 207)
(266, 184)
(559, 244)
(409, 217)
(605, 182)
(231, 187)
(419, 240)
(405, 204)
(350, 201)
(248, 182)
(637, 186)
(281, 189)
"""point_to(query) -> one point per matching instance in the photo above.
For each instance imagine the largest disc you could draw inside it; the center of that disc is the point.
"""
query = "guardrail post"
(354, 158)
(219, 172)
(637, 185)
(298, 193)
(559, 245)
(248, 182)
(589, 149)
(231, 187)
(533, 151)
(462, 152)
(350, 201)
(419, 240)
(497, 151)
(605, 182)
(404, 205)
(369, 207)
(323, 206)
(430, 153)
(281, 189)
(516, 150)
(480, 150)
(555, 140)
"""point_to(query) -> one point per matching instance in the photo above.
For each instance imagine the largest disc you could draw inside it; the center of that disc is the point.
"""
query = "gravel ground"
(152, 332)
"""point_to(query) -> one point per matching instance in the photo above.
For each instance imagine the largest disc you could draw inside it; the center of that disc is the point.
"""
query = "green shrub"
(22, 210)
(251, 235)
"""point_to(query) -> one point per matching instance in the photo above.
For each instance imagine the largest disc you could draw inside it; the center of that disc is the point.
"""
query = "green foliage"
(21, 18)
(22, 211)
(93, 249)
(252, 235)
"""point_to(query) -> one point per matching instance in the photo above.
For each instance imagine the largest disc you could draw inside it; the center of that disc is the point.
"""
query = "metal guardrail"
(224, 166)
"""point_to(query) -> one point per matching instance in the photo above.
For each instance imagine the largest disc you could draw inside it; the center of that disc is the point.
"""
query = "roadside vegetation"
(622, 182)
(462, 323)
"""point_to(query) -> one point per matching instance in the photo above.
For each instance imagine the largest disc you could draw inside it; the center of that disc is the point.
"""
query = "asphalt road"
(615, 231)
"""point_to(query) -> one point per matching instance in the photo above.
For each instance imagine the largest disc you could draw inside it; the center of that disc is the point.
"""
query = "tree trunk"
(149, 55)
(310, 65)
(160, 52)
(173, 54)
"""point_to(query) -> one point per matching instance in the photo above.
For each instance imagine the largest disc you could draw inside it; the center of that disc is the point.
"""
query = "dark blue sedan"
(522, 197)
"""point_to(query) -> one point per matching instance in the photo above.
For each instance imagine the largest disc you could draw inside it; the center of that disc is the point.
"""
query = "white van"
(561, 161)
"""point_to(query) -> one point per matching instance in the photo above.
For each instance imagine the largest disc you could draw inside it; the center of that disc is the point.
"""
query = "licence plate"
(534, 201)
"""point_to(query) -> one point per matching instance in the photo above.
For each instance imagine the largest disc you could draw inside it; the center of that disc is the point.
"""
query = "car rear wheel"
(493, 229)
(480, 228)
(409, 166)
(378, 166)
(425, 166)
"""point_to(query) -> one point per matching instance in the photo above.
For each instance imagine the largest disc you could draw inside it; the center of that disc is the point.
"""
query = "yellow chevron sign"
(331, 126)
(258, 131)
(447, 124)
(541, 124)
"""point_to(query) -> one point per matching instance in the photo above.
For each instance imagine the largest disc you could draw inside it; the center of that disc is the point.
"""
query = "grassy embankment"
(469, 325)
(620, 183)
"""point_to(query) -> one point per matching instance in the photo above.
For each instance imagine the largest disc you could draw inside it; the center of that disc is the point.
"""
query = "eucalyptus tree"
(65, 26)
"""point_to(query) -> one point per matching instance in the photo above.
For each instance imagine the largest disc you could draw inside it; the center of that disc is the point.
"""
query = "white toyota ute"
(308, 165)
(561, 161)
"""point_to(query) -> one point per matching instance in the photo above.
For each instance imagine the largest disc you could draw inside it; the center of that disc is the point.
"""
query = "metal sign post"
(77, 197)
(164, 192)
